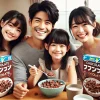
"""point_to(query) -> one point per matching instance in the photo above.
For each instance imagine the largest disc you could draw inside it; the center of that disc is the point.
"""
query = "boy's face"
(41, 25)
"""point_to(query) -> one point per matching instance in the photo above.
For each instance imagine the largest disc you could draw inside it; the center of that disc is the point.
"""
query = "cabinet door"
(95, 6)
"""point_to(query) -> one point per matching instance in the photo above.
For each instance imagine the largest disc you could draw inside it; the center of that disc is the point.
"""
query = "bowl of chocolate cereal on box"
(51, 87)
(5, 86)
(92, 86)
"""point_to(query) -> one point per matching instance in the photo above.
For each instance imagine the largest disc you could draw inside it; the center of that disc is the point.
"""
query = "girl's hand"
(33, 71)
(51, 74)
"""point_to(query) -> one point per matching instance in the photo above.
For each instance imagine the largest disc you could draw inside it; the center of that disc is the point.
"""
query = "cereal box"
(91, 72)
(6, 74)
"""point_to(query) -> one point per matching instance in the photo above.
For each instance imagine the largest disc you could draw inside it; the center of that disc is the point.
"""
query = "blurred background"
(64, 6)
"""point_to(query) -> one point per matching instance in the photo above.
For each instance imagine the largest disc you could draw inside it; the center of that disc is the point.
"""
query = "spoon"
(38, 69)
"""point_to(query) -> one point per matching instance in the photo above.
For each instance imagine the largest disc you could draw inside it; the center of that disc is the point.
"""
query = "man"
(43, 17)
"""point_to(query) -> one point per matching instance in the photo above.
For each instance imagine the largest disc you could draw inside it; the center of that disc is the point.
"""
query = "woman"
(13, 28)
(83, 25)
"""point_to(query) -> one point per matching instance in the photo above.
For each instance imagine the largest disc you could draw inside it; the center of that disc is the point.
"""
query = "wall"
(64, 6)
(20, 5)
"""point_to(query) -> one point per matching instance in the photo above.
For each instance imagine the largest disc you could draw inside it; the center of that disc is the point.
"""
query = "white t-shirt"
(59, 73)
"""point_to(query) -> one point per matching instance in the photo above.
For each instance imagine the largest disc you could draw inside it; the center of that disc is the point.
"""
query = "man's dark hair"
(46, 6)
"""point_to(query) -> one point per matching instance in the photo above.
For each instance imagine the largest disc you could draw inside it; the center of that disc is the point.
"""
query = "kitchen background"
(64, 6)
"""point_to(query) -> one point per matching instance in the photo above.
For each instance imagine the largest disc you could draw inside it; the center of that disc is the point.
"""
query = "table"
(35, 94)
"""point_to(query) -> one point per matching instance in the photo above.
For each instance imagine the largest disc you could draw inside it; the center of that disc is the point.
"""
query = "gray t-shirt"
(22, 55)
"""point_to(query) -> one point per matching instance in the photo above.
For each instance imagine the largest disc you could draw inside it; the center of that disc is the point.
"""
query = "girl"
(83, 25)
(57, 50)
(13, 28)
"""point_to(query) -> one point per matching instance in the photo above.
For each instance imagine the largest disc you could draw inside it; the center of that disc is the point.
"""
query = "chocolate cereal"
(51, 84)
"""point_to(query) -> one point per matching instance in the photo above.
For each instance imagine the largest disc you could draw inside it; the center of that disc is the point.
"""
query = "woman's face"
(9, 31)
(82, 32)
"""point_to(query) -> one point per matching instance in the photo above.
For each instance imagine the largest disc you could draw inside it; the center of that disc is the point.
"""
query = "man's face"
(41, 25)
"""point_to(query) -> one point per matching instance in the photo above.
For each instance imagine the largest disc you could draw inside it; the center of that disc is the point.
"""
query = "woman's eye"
(11, 25)
(84, 24)
(74, 26)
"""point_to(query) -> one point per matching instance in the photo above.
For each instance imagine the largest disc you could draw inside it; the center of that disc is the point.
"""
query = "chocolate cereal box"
(6, 74)
(91, 72)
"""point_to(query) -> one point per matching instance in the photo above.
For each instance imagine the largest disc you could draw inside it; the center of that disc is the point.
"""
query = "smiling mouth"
(9, 35)
(57, 53)
(40, 31)
(82, 36)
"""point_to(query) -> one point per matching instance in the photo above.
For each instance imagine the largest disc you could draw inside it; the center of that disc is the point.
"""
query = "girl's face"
(82, 32)
(9, 31)
(57, 51)
(41, 25)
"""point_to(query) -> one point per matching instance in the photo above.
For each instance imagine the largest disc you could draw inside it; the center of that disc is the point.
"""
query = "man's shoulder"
(22, 45)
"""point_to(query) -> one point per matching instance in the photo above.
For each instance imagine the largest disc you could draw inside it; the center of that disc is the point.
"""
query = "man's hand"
(20, 90)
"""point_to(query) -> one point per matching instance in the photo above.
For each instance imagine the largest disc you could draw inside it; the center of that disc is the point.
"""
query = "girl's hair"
(20, 20)
(58, 36)
(84, 14)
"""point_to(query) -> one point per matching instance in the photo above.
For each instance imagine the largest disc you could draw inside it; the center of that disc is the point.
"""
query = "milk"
(74, 88)
(81, 99)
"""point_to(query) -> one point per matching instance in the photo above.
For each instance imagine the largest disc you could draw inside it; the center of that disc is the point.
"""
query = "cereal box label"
(6, 74)
(91, 72)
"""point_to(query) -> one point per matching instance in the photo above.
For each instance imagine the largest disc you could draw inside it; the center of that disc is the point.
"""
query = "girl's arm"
(72, 75)
(34, 77)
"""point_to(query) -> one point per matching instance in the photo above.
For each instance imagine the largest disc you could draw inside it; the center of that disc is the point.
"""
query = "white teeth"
(41, 32)
(81, 36)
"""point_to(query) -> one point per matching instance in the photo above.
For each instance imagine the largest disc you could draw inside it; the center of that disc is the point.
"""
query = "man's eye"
(37, 21)
(48, 23)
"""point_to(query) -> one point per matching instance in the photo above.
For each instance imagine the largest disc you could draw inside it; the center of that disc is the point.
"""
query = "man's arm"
(20, 76)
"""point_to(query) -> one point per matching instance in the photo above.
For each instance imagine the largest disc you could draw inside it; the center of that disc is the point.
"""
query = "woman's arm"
(72, 76)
